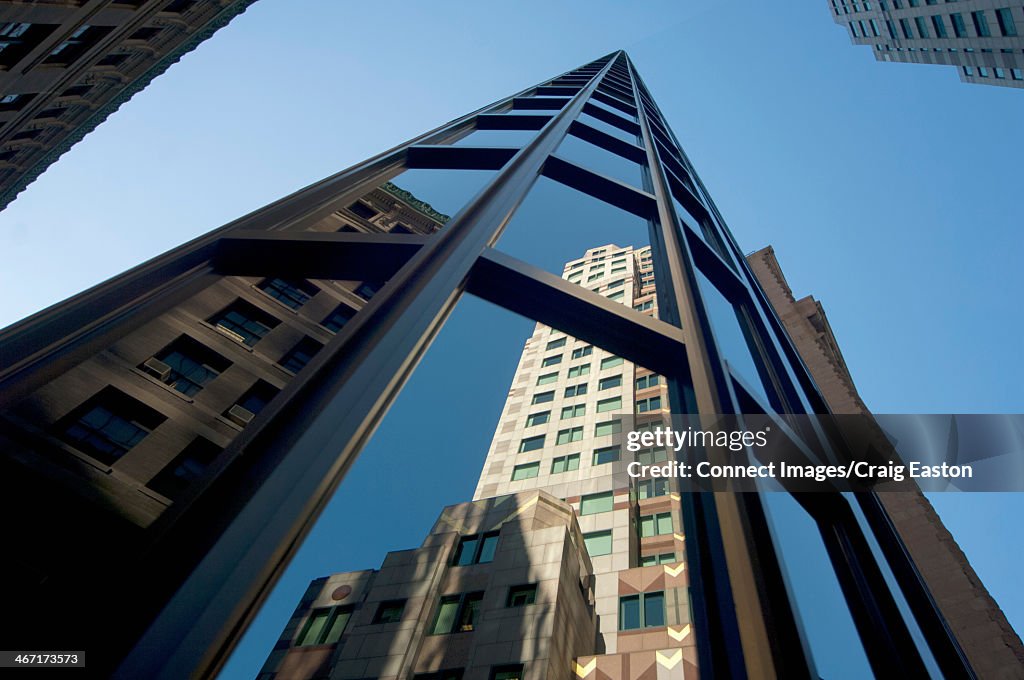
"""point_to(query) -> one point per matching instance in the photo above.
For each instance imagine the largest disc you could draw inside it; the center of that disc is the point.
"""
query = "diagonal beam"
(550, 299)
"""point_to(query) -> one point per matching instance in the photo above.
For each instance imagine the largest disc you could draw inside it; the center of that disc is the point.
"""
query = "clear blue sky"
(889, 191)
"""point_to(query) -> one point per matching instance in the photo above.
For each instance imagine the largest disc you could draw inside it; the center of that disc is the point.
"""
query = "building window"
(18, 39)
(651, 456)
(1006, 24)
(513, 672)
(645, 610)
(457, 613)
(610, 362)
(608, 427)
(363, 210)
(1017, 74)
(389, 611)
(185, 365)
(644, 306)
(613, 404)
(652, 488)
(244, 322)
(572, 434)
(594, 277)
(643, 382)
(555, 344)
(251, 403)
(598, 542)
(656, 525)
(922, 27)
(531, 443)
(538, 418)
(581, 352)
(76, 44)
(615, 297)
(609, 382)
(594, 503)
(981, 24)
(579, 371)
(547, 378)
(324, 626)
(651, 560)
(109, 425)
(542, 398)
(999, 73)
(551, 360)
(338, 318)
(476, 549)
(186, 468)
(449, 674)
(367, 289)
(574, 411)
(525, 471)
(959, 28)
(300, 355)
(905, 27)
(651, 404)
(576, 390)
(291, 293)
(521, 596)
(565, 463)
(608, 454)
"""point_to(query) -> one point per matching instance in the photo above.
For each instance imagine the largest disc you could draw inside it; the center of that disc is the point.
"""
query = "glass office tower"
(183, 424)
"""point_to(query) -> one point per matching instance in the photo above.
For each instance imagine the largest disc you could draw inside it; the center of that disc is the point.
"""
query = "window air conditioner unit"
(157, 368)
(240, 415)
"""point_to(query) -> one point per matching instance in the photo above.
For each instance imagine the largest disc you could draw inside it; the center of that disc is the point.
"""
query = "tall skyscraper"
(979, 37)
(181, 425)
(66, 66)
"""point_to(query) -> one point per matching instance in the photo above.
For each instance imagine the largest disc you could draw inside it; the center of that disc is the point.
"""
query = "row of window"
(1004, 18)
(603, 455)
(461, 613)
(574, 371)
(997, 73)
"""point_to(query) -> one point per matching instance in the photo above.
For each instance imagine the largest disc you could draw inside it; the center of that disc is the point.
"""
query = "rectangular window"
(645, 610)
(664, 558)
(610, 362)
(613, 404)
(244, 322)
(609, 382)
(555, 344)
(597, 502)
(507, 672)
(186, 468)
(608, 427)
(300, 355)
(186, 365)
(652, 488)
(644, 306)
(324, 626)
(892, 28)
(981, 24)
(656, 525)
(615, 297)
(538, 418)
(574, 411)
(594, 277)
(565, 463)
(542, 398)
(576, 390)
(476, 549)
(531, 443)
(338, 318)
(389, 612)
(581, 352)
(644, 382)
(874, 28)
(521, 596)
(109, 425)
(651, 404)
(457, 613)
(573, 434)
(905, 27)
(1006, 24)
(608, 454)
(939, 26)
(598, 542)
(959, 28)
(579, 371)
(525, 471)
(292, 293)
(922, 27)
(547, 378)
(553, 360)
